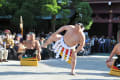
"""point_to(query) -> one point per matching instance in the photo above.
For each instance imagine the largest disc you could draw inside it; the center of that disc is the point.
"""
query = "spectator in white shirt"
(3, 51)
(101, 44)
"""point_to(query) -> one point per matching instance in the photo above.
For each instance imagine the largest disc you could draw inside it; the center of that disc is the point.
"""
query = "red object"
(66, 51)
(71, 52)
(114, 67)
(7, 31)
(62, 49)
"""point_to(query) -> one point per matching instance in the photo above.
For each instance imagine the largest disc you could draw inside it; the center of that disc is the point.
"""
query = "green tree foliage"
(82, 9)
(26, 8)
(0, 3)
(31, 8)
(52, 8)
(28, 18)
(84, 14)
(64, 19)
(64, 12)
(3, 8)
(26, 11)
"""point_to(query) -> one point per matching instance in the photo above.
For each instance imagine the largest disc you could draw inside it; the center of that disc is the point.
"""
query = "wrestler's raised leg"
(53, 37)
(73, 63)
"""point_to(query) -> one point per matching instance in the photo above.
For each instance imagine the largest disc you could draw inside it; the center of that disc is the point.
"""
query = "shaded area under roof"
(58, 16)
(6, 17)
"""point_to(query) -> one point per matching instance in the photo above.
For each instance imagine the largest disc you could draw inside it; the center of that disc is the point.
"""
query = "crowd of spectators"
(100, 44)
(11, 45)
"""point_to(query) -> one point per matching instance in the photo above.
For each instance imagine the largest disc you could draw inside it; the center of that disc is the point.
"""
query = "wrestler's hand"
(39, 57)
(82, 49)
(108, 60)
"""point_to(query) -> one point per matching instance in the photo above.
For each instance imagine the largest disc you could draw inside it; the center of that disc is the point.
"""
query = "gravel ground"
(91, 67)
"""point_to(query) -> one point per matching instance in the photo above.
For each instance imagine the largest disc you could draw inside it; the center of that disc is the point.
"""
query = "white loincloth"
(61, 47)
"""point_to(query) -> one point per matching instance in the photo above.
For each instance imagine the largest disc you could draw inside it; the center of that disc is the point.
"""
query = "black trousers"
(117, 61)
(46, 54)
(12, 54)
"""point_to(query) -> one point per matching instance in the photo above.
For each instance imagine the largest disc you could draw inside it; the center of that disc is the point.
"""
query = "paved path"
(88, 68)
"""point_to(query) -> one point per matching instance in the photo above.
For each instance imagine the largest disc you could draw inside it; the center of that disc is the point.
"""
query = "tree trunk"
(53, 24)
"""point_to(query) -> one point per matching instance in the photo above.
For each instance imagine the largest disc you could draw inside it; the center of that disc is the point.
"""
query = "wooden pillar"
(110, 24)
(118, 33)
(110, 29)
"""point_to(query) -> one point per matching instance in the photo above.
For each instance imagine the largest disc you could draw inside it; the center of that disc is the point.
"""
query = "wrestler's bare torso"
(32, 44)
(73, 36)
(117, 49)
(29, 44)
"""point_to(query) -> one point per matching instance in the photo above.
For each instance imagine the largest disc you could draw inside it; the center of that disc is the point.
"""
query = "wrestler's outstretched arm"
(55, 36)
(63, 28)
(38, 47)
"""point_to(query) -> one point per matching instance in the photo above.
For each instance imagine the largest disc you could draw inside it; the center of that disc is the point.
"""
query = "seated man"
(8, 40)
(32, 47)
(66, 44)
(3, 51)
(115, 65)
(10, 46)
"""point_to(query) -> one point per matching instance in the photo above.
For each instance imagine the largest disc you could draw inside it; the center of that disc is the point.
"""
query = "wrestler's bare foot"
(73, 73)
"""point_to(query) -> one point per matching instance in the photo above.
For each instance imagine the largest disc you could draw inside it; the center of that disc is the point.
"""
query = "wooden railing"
(106, 11)
(101, 1)
(105, 20)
